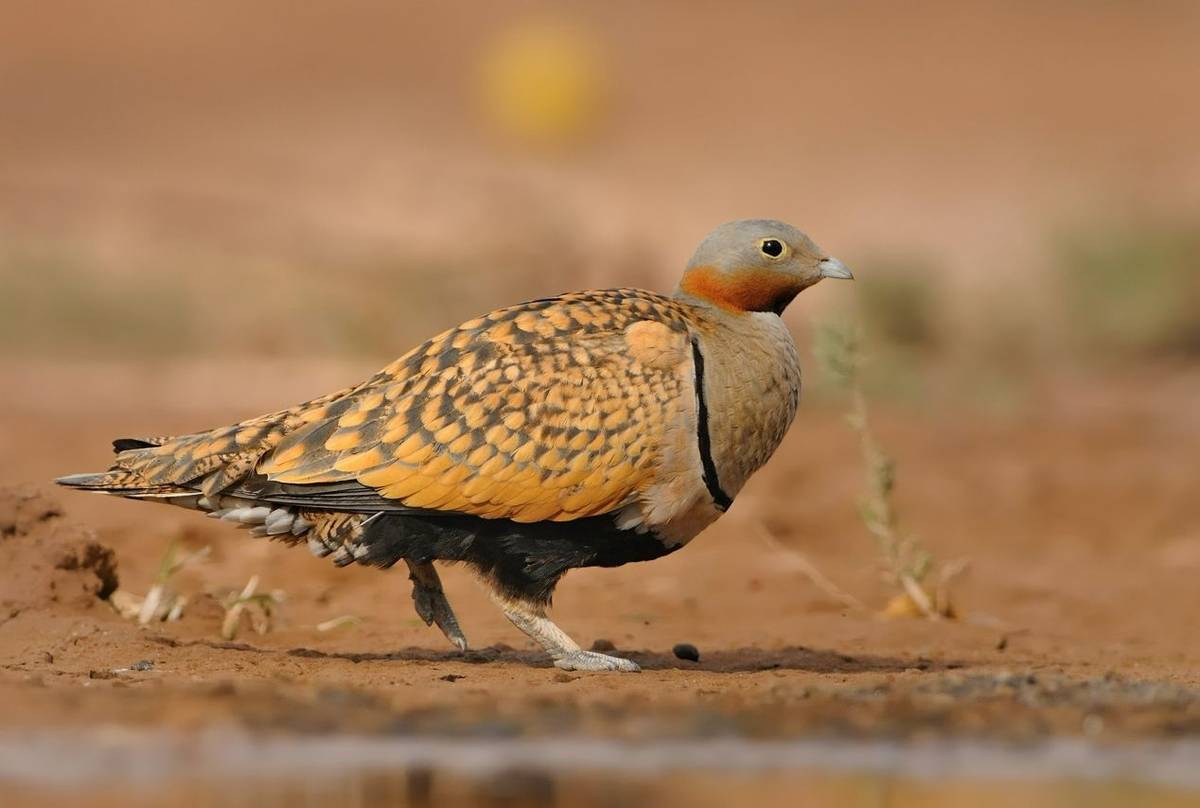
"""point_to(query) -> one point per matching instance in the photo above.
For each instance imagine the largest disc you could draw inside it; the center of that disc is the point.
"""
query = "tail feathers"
(125, 444)
(121, 482)
(102, 480)
(325, 532)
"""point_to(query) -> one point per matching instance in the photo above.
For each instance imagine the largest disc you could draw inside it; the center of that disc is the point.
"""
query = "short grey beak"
(833, 268)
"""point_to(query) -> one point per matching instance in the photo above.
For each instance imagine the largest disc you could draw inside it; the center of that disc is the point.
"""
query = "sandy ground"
(1077, 515)
(1078, 518)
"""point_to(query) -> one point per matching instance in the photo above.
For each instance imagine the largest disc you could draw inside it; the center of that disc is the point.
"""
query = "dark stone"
(685, 650)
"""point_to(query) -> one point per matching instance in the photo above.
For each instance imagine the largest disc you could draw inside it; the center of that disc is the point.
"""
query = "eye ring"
(773, 248)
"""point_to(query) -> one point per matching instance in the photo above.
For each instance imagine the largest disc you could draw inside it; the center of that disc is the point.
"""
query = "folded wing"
(553, 410)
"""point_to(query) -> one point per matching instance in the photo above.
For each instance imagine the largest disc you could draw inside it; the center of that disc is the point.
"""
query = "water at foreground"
(233, 767)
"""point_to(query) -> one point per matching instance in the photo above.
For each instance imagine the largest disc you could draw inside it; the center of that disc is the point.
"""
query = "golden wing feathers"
(552, 410)
(208, 462)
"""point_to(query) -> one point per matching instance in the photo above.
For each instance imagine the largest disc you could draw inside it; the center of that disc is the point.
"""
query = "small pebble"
(685, 650)
(142, 665)
(452, 677)
(603, 646)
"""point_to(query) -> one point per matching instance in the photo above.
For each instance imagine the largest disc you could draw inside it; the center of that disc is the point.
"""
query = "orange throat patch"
(742, 290)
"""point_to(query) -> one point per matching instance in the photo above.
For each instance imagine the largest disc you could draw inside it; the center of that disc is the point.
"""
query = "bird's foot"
(594, 661)
(430, 602)
(565, 652)
(433, 607)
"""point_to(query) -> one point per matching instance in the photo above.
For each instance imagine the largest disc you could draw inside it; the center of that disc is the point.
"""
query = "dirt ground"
(1078, 611)
(1077, 514)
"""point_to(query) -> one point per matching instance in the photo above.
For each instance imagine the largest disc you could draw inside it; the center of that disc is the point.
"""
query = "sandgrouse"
(590, 429)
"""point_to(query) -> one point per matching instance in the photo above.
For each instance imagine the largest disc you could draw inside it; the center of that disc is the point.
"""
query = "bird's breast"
(744, 380)
(752, 389)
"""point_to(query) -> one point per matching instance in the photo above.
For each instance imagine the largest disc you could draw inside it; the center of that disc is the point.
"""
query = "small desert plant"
(906, 563)
(161, 602)
(260, 608)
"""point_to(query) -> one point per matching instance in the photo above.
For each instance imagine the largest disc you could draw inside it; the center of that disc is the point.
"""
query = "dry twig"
(339, 622)
(810, 571)
(906, 563)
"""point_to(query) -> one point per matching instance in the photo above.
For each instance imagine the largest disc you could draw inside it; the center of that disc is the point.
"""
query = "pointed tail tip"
(90, 480)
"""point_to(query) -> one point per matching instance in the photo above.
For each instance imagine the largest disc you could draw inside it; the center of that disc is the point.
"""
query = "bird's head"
(756, 265)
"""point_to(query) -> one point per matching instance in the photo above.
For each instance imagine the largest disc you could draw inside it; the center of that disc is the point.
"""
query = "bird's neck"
(740, 291)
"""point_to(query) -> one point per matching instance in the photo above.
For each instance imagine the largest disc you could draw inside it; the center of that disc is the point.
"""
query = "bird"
(590, 429)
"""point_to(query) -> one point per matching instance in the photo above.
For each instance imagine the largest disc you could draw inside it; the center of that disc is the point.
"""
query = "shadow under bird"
(590, 429)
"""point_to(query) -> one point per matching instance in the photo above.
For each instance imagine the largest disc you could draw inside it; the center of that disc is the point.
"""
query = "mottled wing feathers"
(551, 410)
(210, 462)
(556, 409)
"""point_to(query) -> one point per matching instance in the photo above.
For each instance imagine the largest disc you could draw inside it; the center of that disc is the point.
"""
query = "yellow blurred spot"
(543, 84)
(903, 606)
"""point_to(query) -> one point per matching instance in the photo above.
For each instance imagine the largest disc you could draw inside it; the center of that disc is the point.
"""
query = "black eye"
(772, 247)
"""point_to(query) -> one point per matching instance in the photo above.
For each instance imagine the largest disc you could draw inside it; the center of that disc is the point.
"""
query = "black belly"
(524, 560)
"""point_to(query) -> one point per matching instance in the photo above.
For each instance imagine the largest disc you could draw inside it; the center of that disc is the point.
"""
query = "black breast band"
(711, 482)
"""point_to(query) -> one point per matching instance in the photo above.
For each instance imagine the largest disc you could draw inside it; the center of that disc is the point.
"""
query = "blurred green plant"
(1131, 290)
(906, 564)
(51, 301)
(55, 301)
(899, 304)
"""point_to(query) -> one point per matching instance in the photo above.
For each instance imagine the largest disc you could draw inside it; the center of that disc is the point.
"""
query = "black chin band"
(711, 482)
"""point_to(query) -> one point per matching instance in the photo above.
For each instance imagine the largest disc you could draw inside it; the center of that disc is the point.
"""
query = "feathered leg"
(566, 653)
(431, 604)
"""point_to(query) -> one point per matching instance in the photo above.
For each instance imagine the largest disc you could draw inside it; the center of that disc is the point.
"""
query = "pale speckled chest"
(752, 387)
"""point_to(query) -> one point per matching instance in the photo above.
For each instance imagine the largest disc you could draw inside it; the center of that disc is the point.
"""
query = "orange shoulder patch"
(656, 345)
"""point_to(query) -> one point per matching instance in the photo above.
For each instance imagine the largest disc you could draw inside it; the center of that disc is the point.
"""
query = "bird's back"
(555, 409)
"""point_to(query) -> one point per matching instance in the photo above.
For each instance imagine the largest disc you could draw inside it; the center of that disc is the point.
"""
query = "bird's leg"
(431, 604)
(565, 652)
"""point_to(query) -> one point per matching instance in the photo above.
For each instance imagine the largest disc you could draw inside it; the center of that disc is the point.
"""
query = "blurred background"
(213, 210)
(341, 179)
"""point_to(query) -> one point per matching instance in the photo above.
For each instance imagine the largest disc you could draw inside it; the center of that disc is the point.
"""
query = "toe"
(423, 605)
(592, 661)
